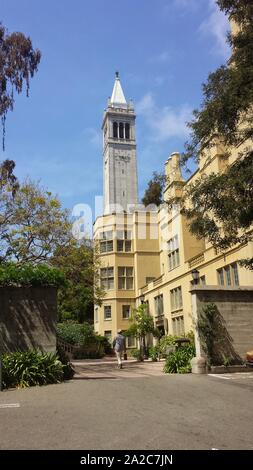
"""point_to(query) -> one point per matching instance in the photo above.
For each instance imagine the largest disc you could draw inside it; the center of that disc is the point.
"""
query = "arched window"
(127, 130)
(121, 130)
(115, 130)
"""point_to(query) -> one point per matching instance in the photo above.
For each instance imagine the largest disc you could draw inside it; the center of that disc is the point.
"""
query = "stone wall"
(28, 318)
(235, 305)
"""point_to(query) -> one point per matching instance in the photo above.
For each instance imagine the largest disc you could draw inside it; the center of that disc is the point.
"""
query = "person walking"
(119, 345)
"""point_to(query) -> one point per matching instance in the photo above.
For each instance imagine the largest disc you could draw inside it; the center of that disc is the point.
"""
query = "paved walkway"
(107, 368)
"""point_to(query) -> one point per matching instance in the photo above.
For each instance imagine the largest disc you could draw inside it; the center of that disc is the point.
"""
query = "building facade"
(150, 255)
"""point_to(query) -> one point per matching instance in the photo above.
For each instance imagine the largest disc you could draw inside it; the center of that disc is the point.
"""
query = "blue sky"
(164, 50)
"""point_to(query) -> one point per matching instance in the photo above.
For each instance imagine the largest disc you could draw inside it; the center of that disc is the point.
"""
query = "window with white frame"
(107, 312)
(125, 278)
(131, 342)
(107, 278)
(126, 312)
(176, 300)
(124, 240)
(159, 305)
(173, 255)
(228, 276)
(178, 326)
(106, 241)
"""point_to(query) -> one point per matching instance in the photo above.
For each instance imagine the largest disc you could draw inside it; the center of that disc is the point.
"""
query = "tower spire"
(118, 97)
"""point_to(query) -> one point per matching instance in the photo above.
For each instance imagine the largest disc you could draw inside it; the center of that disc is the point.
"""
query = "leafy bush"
(29, 368)
(14, 275)
(179, 360)
(76, 333)
(136, 353)
(153, 352)
(67, 367)
(167, 342)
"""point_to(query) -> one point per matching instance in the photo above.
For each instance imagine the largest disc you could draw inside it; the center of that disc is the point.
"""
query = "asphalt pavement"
(137, 408)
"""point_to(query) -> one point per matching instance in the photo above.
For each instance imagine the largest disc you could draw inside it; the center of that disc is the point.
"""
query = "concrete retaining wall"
(235, 305)
(28, 318)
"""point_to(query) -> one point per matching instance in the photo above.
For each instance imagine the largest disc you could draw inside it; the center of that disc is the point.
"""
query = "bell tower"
(119, 153)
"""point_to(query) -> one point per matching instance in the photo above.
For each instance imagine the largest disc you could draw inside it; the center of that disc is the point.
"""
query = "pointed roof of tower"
(118, 97)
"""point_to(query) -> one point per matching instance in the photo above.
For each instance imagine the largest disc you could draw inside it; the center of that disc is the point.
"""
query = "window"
(178, 326)
(127, 130)
(126, 312)
(228, 276)
(159, 305)
(131, 342)
(96, 315)
(121, 130)
(125, 278)
(115, 130)
(106, 246)
(108, 335)
(176, 298)
(107, 278)
(235, 274)
(107, 312)
(124, 242)
(173, 256)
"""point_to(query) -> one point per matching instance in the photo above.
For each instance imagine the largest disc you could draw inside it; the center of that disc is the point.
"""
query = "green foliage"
(215, 340)
(29, 368)
(137, 354)
(80, 265)
(168, 342)
(219, 207)
(207, 329)
(19, 61)
(225, 200)
(67, 367)
(76, 333)
(178, 362)
(32, 224)
(154, 192)
(12, 275)
(142, 322)
(153, 352)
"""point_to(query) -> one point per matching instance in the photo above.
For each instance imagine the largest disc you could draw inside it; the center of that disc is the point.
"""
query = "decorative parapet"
(158, 281)
(196, 260)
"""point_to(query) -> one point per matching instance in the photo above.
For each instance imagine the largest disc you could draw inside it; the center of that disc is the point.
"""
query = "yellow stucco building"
(148, 254)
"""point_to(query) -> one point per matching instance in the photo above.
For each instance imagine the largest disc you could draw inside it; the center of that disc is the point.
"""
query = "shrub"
(67, 367)
(29, 368)
(153, 352)
(179, 360)
(170, 341)
(75, 333)
(14, 275)
(136, 353)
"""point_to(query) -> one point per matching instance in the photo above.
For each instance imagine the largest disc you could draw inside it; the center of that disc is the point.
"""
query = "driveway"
(136, 408)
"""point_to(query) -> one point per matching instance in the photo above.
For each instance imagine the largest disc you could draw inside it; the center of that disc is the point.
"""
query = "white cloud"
(216, 25)
(185, 3)
(164, 122)
(161, 58)
(93, 136)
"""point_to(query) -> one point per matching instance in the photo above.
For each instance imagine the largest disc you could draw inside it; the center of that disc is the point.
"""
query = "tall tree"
(154, 192)
(219, 206)
(142, 324)
(18, 63)
(80, 265)
(33, 224)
